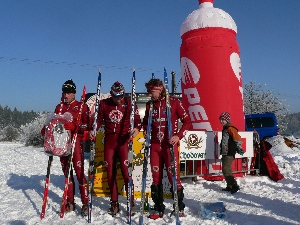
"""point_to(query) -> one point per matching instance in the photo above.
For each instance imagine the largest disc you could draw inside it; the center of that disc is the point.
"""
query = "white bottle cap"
(207, 16)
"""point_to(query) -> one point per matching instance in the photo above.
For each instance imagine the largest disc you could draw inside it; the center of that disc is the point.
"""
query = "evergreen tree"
(6, 116)
(1, 117)
(15, 118)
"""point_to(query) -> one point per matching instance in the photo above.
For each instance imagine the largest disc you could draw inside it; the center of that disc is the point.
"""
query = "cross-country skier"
(160, 143)
(114, 112)
(71, 105)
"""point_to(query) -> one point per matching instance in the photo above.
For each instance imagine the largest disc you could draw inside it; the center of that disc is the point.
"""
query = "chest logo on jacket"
(115, 116)
(160, 135)
(76, 108)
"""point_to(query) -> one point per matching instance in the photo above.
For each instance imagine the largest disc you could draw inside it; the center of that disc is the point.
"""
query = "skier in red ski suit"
(71, 105)
(160, 143)
(115, 113)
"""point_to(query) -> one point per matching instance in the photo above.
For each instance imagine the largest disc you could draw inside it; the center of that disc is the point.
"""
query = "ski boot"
(181, 205)
(84, 210)
(133, 209)
(158, 211)
(157, 197)
(232, 185)
(156, 215)
(181, 213)
(70, 206)
(114, 208)
(228, 188)
(235, 189)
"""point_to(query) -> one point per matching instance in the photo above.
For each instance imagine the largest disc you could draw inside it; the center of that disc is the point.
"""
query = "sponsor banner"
(247, 146)
(197, 145)
(201, 145)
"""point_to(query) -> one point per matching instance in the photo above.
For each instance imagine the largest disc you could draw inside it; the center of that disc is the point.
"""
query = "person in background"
(160, 143)
(115, 113)
(71, 105)
(230, 144)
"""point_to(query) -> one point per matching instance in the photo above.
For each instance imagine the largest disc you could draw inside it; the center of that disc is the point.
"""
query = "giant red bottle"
(211, 70)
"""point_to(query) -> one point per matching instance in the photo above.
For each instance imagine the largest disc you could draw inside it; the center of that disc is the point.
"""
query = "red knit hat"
(117, 89)
(225, 116)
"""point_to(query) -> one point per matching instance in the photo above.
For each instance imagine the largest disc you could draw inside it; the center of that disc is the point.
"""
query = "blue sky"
(44, 43)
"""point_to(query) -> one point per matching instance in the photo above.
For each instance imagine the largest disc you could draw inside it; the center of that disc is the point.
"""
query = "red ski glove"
(70, 126)
(43, 130)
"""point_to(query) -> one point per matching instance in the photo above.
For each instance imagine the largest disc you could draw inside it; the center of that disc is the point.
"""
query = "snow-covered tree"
(259, 100)
(30, 133)
(9, 133)
(293, 121)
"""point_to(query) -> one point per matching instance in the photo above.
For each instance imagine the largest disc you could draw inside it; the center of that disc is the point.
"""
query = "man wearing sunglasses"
(114, 112)
(160, 143)
(72, 106)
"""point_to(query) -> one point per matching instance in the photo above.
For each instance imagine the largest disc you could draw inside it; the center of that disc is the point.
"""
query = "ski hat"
(117, 89)
(225, 116)
(69, 87)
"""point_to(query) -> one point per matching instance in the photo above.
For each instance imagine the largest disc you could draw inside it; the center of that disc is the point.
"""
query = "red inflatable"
(211, 70)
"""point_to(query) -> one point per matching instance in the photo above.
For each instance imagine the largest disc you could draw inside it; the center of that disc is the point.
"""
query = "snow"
(260, 200)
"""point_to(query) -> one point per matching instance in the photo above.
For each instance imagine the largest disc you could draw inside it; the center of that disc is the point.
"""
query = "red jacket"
(159, 119)
(116, 118)
(73, 108)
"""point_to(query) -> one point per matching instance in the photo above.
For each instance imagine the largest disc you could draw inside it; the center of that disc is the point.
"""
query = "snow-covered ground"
(260, 200)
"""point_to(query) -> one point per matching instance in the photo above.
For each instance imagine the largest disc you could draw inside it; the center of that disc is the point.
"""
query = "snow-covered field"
(260, 200)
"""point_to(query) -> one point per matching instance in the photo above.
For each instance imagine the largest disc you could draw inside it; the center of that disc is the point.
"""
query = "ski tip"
(99, 69)
(133, 69)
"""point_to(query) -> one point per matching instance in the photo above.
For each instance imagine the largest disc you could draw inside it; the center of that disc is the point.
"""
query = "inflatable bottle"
(211, 79)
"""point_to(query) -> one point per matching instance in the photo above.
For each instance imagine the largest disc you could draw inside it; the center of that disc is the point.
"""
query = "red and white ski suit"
(78, 157)
(116, 120)
(160, 150)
